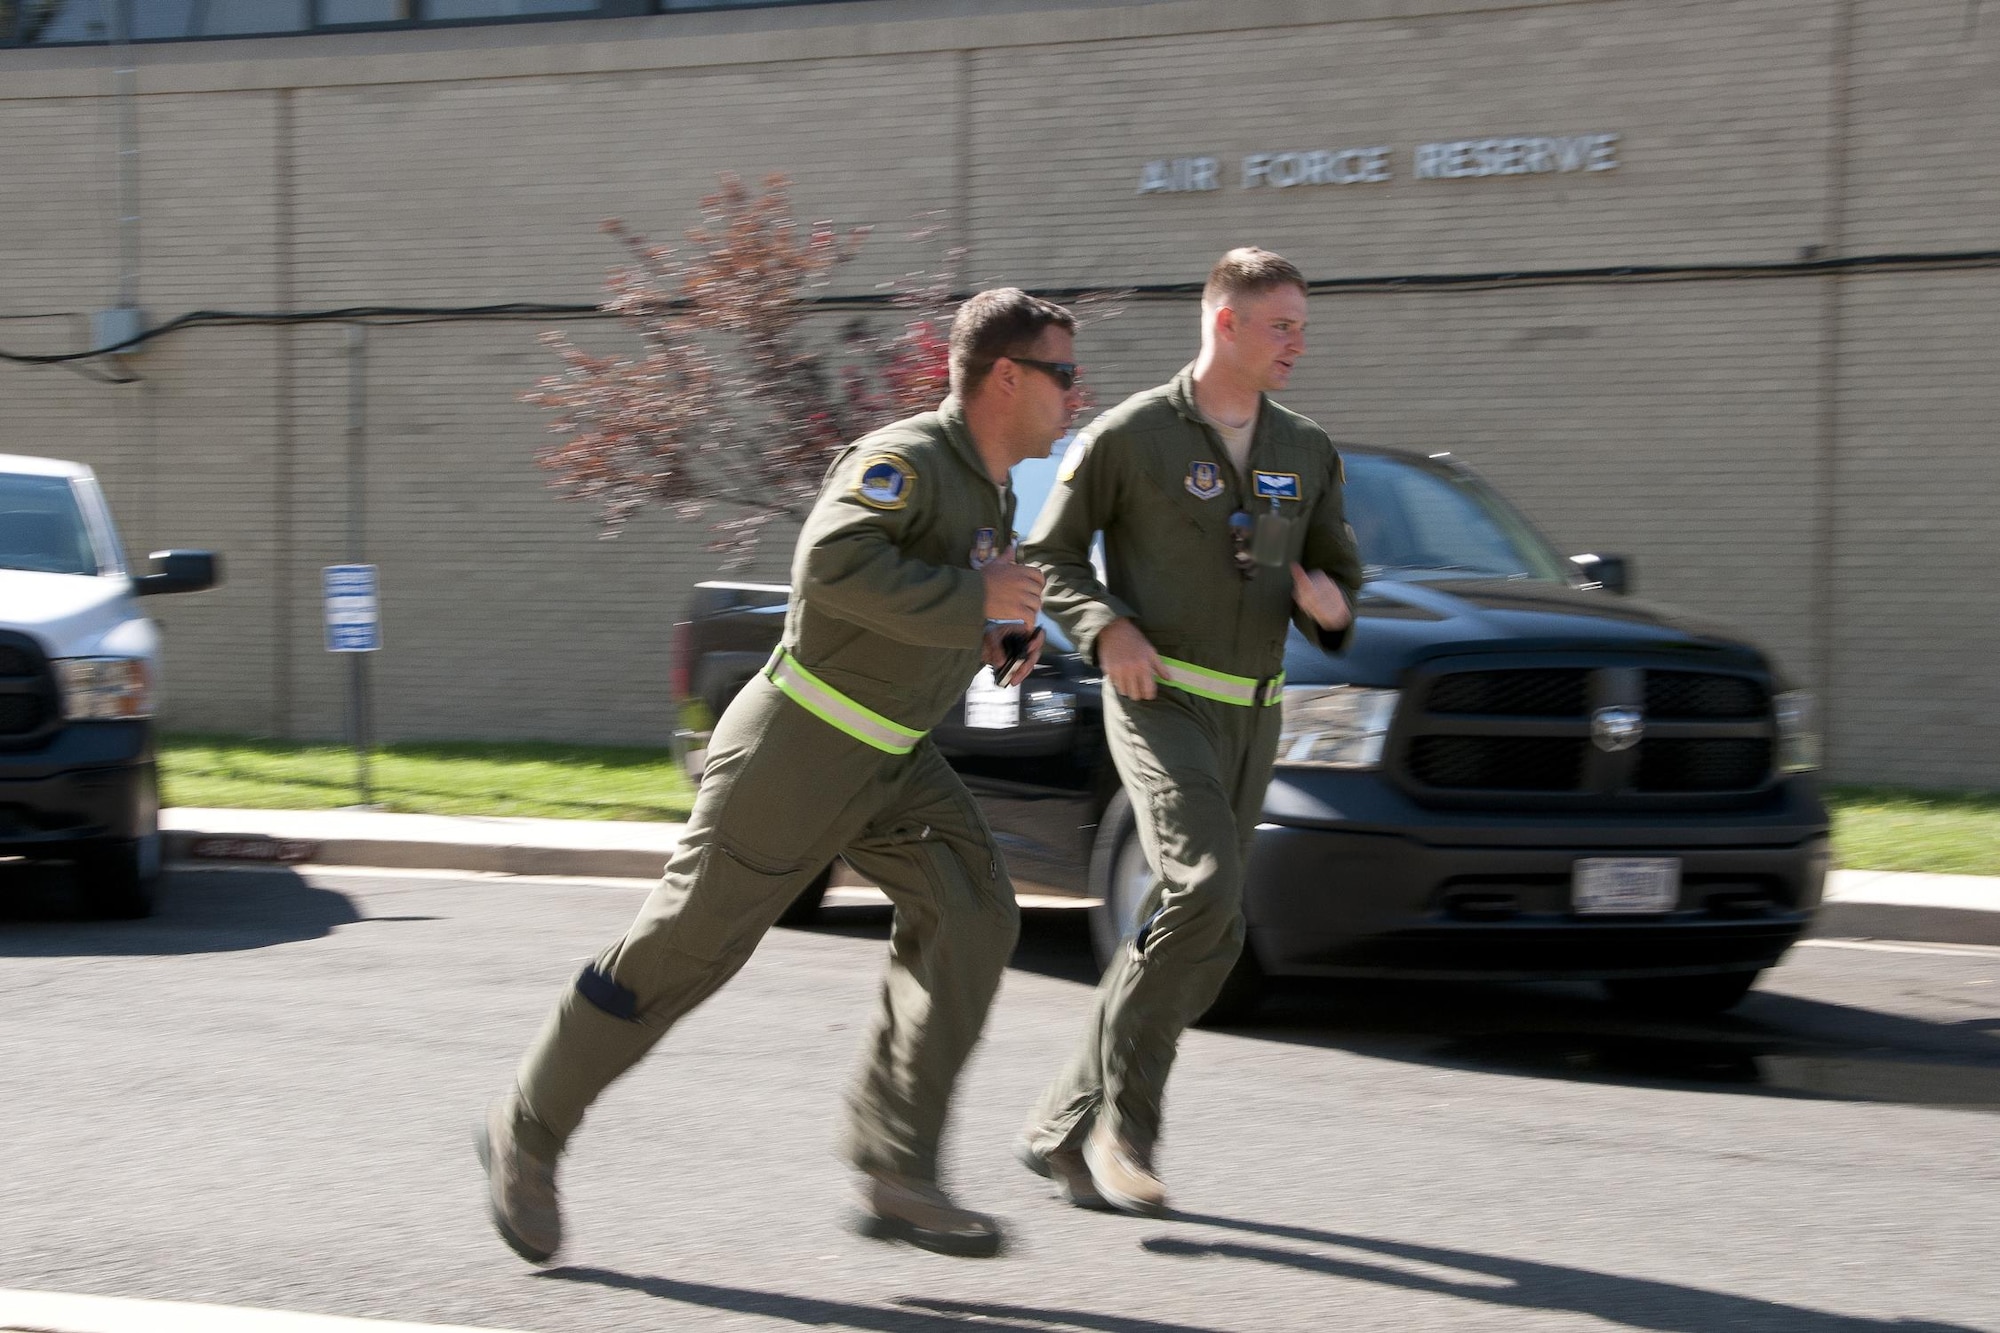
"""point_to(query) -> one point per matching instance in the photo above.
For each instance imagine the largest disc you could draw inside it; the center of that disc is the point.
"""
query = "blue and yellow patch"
(1276, 485)
(885, 483)
(1204, 479)
(984, 548)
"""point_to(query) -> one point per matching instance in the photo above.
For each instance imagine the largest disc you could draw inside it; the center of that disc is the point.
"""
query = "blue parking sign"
(353, 609)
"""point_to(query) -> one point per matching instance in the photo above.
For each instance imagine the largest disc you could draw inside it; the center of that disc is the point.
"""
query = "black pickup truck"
(1516, 771)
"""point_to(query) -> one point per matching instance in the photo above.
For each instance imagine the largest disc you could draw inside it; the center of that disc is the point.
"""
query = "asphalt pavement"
(262, 1098)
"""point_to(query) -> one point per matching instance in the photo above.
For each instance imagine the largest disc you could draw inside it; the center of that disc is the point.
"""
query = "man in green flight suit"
(903, 566)
(1222, 523)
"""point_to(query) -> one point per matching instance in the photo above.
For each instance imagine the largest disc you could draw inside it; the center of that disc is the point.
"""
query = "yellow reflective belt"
(836, 709)
(1220, 685)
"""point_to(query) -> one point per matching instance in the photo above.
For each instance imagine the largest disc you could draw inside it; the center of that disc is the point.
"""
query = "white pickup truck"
(79, 677)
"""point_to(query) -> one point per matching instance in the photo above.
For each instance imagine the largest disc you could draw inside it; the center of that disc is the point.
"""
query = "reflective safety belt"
(836, 709)
(1220, 685)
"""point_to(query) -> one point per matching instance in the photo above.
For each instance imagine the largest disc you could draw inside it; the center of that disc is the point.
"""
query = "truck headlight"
(1339, 727)
(1797, 714)
(99, 689)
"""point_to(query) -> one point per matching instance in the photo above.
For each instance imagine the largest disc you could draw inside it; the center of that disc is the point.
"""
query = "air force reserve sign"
(1374, 164)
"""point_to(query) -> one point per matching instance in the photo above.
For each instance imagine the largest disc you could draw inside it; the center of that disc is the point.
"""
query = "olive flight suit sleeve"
(1330, 549)
(855, 566)
(1083, 499)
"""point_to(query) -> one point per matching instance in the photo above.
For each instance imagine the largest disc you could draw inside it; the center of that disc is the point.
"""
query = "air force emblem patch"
(984, 548)
(885, 483)
(1204, 480)
(1276, 485)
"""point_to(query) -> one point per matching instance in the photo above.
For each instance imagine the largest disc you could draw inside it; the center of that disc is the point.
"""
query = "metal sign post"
(354, 626)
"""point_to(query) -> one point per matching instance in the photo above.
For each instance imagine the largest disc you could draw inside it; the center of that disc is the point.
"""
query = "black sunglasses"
(1062, 372)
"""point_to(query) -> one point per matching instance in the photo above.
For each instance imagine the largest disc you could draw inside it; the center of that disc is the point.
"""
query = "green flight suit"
(824, 754)
(1153, 477)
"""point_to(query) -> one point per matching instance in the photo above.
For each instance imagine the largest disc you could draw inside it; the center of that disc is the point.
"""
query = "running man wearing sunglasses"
(1222, 523)
(904, 565)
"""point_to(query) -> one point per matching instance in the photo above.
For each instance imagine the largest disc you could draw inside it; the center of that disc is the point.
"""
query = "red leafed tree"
(733, 407)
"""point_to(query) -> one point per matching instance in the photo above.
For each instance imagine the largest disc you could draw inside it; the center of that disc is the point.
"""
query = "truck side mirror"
(179, 571)
(1613, 573)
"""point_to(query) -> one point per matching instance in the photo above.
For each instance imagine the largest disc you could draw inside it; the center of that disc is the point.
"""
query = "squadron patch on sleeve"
(885, 483)
(1073, 458)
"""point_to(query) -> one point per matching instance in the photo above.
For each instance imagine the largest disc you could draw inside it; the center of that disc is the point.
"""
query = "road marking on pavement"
(1883, 946)
(61, 1312)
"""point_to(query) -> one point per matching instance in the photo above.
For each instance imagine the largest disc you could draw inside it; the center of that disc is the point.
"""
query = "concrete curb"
(1935, 909)
(402, 854)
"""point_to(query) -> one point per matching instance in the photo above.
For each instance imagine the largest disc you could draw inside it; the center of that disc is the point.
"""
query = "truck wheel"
(1120, 880)
(1682, 997)
(805, 908)
(115, 880)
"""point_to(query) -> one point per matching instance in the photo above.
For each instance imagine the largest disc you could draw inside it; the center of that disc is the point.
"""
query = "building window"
(92, 22)
(448, 10)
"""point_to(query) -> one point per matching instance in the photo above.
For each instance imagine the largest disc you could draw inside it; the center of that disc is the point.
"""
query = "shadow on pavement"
(1055, 942)
(1772, 1045)
(913, 1315)
(196, 911)
(1523, 1284)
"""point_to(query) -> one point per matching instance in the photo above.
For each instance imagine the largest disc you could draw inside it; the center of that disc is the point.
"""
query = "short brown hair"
(1002, 322)
(1250, 271)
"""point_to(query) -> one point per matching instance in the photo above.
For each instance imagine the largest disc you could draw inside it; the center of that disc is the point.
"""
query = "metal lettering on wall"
(1445, 159)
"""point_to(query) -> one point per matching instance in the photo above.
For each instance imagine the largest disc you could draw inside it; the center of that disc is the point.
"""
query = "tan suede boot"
(520, 1187)
(1065, 1169)
(919, 1213)
(1123, 1174)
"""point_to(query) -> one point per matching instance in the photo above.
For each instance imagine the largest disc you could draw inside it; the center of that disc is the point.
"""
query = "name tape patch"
(1276, 485)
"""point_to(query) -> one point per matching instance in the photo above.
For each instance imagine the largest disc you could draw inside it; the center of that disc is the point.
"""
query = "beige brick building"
(1812, 454)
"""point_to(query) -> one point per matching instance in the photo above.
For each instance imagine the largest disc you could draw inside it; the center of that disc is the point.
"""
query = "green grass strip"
(536, 779)
(1875, 828)
(1896, 828)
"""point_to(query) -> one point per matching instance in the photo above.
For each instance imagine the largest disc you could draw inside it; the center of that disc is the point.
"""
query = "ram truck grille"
(1527, 732)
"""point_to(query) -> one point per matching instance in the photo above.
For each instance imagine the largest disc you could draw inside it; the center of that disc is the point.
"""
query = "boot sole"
(481, 1146)
(876, 1227)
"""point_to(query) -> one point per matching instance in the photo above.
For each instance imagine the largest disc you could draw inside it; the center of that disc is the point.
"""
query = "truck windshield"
(1412, 518)
(41, 527)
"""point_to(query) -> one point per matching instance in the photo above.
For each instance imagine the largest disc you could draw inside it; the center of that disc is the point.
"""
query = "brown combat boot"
(1065, 1169)
(520, 1187)
(1123, 1174)
(919, 1213)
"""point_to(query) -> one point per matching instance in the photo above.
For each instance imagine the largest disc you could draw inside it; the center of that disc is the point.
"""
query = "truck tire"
(115, 880)
(805, 908)
(1120, 879)
(1682, 997)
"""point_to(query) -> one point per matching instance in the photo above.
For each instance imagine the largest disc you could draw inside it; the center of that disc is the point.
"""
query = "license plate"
(1606, 885)
(992, 707)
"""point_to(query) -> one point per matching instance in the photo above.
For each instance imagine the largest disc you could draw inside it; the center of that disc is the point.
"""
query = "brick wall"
(1806, 458)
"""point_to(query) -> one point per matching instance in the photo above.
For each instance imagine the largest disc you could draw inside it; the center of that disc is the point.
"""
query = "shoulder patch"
(885, 482)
